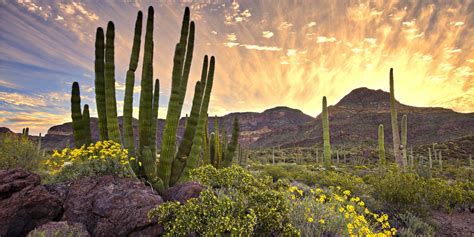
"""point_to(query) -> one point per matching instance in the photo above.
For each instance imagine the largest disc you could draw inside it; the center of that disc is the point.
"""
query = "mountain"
(353, 120)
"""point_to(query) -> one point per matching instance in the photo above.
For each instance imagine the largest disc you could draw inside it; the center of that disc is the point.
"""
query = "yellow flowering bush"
(337, 212)
(101, 158)
(234, 204)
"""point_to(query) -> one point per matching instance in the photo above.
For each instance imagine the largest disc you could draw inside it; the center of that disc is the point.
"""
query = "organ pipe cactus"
(430, 161)
(230, 151)
(395, 131)
(326, 136)
(110, 100)
(100, 83)
(76, 115)
(381, 145)
(128, 138)
(86, 120)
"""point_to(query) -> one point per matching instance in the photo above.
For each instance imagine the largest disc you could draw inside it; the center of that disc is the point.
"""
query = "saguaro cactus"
(381, 145)
(110, 100)
(326, 136)
(404, 140)
(128, 139)
(395, 131)
(100, 83)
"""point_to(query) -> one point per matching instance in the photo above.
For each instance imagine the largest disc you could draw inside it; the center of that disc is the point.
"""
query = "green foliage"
(67, 231)
(234, 203)
(411, 225)
(99, 159)
(17, 152)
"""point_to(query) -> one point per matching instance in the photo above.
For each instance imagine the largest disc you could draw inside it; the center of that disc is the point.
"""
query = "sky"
(268, 53)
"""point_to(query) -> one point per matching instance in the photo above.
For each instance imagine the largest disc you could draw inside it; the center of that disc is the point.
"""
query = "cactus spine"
(326, 136)
(110, 100)
(128, 139)
(395, 130)
(100, 83)
(381, 145)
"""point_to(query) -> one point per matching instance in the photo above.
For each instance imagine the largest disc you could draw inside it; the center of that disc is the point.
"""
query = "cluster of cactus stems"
(218, 151)
(25, 133)
(80, 119)
(326, 136)
(241, 156)
(175, 161)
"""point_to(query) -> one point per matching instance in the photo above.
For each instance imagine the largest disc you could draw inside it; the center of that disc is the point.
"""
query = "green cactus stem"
(230, 152)
(404, 140)
(86, 123)
(430, 162)
(128, 139)
(395, 131)
(381, 145)
(76, 115)
(100, 83)
(110, 100)
(326, 136)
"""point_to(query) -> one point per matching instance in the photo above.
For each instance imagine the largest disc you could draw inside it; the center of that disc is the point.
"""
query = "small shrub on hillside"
(18, 152)
(99, 159)
(234, 203)
(334, 212)
(411, 225)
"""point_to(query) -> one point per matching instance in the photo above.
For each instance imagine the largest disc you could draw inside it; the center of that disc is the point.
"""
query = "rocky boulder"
(183, 192)
(24, 203)
(62, 228)
(110, 206)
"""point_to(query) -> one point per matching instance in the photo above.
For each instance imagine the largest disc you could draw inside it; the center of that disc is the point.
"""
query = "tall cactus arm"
(197, 140)
(76, 115)
(146, 94)
(110, 100)
(154, 118)
(100, 83)
(128, 139)
(404, 139)
(187, 65)
(174, 110)
(86, 121)
(185, 147)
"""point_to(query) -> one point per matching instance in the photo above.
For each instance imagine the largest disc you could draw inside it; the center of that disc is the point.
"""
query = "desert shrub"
(234, 203)
(18, 152)
(333, 212)
(410, 225)
(68, 231)
(401, 192)
(99, 159)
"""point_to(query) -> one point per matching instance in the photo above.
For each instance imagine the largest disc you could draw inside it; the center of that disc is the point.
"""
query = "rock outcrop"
(183, 192)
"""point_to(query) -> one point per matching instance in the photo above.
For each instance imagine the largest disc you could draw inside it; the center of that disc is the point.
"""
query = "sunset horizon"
(268, 55)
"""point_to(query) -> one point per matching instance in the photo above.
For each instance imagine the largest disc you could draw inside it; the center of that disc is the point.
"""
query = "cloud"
(311, 24)
(285, 25)
(324, 39)
(267, 34)
(21, 99)
(260, 48)
(231, 37)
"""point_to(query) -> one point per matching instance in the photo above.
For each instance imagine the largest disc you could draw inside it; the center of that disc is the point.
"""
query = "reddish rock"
(110, 206)
(62, 228)
(24, 204)
(183, 192)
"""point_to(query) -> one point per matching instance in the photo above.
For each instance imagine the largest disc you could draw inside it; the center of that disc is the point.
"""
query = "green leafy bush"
(18, 152)
(99, 159)
(234, 203)
(411, 225)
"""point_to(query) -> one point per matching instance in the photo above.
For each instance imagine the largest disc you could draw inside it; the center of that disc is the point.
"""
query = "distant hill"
(353, 120)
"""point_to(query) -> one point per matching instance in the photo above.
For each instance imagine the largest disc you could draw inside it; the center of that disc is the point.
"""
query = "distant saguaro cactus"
(404, 140)
(381, 145)
(395, 131)
(326, 136)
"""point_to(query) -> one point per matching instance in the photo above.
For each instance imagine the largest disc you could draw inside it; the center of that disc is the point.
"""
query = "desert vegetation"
(228, 189)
